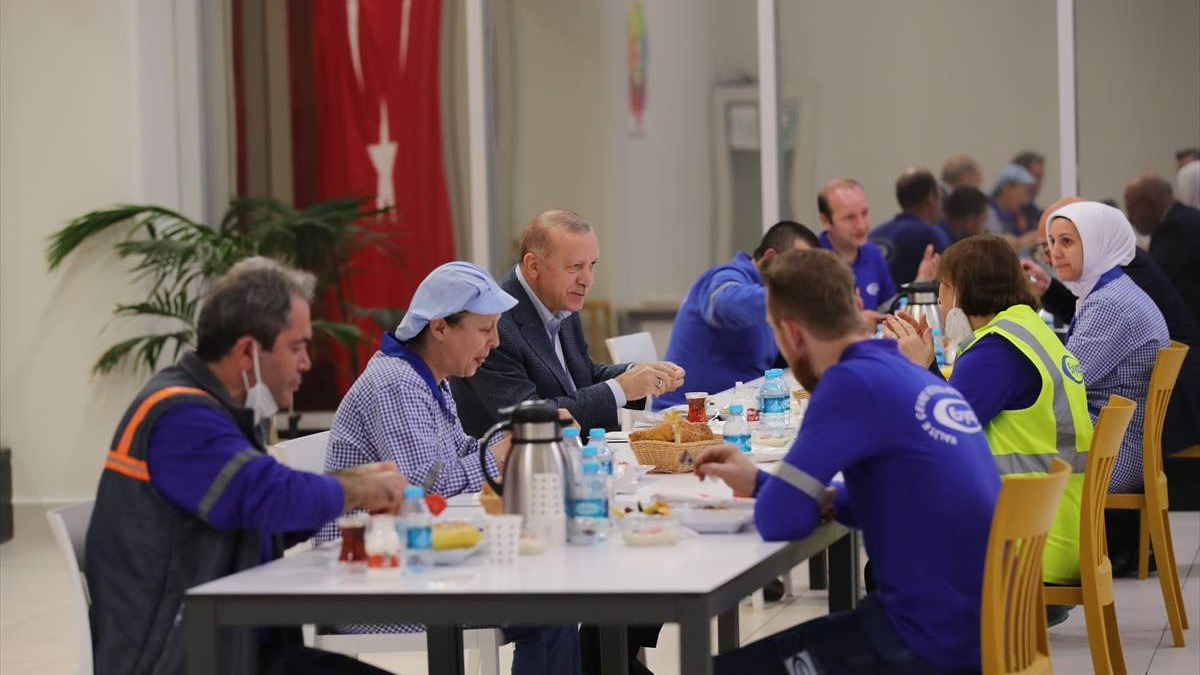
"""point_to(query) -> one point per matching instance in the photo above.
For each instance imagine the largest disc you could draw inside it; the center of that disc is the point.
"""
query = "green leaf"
(142, 351)
(346, 334)
(79, 230)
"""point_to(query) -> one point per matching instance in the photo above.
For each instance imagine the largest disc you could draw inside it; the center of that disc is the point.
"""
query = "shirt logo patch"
(944, 415)
(873, 288)
(1072, 369)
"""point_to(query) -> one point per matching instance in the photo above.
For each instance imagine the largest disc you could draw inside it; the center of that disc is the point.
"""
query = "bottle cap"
(774, 373)
(736, 409)
(596, 433)
(414, 492)
(570, 432)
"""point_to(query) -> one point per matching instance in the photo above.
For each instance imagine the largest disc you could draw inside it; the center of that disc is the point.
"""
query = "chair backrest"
(1162, 385)
(1102, 457)
(632, 348)
(306, 453)
(1013, 630)
(69, 526)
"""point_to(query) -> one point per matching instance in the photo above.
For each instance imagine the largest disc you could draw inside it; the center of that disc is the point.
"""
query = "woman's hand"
(915, 340)
(1039, 281)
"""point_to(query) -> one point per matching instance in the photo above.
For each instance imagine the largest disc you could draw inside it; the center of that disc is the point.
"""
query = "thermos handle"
(483, 444)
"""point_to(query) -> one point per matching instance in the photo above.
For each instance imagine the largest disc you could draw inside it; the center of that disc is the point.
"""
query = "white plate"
(617, 437)
(760, 455)
(713, 521)
(455, 556)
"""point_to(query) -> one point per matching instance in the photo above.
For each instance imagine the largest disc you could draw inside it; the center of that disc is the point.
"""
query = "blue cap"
(588, 451)
(414, 492)
(736, 409)
(1014, 173)
(774, 372)
(596, 433)
(452, 288)
(570, 432)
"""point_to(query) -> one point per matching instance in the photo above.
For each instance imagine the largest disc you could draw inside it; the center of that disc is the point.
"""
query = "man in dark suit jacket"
(1174, 231)
(542, 352)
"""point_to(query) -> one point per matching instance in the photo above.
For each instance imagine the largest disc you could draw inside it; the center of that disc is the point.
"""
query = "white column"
(1068, 151)
(479, 121)
(768, 111)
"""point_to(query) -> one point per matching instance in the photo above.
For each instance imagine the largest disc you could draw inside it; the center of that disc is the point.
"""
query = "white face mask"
(259, 397)
(957, 328)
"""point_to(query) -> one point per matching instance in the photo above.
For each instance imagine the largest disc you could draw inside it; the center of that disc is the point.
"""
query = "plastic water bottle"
(743, 396)
(589, 512)
(604, 455)
(774, 402)
(418, 528)
(737, 430)
(572, 447)
(939, 350)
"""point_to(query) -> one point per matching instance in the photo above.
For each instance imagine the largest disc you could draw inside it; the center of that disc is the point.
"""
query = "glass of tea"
(697, 402)
(354, 538)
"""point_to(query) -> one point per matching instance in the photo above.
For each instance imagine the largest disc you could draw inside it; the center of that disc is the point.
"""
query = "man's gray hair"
(253, 298)
(536, 237)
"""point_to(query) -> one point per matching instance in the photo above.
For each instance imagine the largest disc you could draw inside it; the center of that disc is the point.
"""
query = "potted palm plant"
(177, 256)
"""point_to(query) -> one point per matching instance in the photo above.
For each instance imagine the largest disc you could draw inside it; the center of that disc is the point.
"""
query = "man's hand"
(650, 379)
(828, 510)
(501, 450)
(730, 465)
(566, 416)
(1039, 280)
(915, 340)
(927, 270)
(374, 487)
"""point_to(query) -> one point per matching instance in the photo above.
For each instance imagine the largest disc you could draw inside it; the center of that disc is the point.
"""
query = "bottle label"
(420, 538)
(590, 508)
(741, 442)
(774, 404)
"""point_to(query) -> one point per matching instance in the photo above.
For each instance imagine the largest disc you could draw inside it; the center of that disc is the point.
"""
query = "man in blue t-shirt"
(911, 241)
(845, 214)
(721, 335)
(920, 483)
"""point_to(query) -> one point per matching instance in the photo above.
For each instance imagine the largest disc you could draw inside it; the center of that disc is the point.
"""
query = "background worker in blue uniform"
(911, 240)
(189, 495)
(1026, 389)
(846, 216)
(920, 483)
(721, 335)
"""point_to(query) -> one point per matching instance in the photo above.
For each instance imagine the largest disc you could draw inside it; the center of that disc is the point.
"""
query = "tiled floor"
(38, 633)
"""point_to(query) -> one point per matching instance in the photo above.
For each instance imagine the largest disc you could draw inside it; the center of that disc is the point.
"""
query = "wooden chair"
(1152, 503)
(1013, 630)
(1095, 589)
(1188, 453)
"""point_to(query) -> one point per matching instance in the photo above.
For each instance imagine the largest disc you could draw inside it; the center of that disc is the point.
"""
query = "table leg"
(200, 621)
(695, 645)
(844, 573)
(444, 647)
(728, 635)
(614, 650)
(818, 571)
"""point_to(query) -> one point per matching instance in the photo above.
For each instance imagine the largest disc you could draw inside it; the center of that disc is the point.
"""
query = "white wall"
(69, 142)
(1138, 84)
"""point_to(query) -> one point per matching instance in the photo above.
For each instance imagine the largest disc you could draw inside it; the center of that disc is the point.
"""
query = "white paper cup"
(503, 538)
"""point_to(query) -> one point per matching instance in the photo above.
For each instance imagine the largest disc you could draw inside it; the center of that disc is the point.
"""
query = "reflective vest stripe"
(1064, 421)
(802, 482)
(118, 459)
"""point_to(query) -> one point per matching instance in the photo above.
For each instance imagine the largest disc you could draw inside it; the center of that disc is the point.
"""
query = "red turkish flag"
(376, 89)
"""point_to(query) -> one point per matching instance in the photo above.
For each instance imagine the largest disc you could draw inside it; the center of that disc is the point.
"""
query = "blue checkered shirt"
(1116, 335)
(391, 414)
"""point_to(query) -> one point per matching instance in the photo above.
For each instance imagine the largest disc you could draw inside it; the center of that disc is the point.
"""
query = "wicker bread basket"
(665, 455)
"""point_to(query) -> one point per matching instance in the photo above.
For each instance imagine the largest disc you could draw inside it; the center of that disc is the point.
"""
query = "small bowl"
(639, 529)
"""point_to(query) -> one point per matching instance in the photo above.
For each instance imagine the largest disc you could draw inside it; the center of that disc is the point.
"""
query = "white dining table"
(608, 584)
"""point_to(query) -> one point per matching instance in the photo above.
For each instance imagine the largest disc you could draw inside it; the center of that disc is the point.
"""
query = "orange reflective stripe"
(127, 466)
(144, 409)
(119, 459)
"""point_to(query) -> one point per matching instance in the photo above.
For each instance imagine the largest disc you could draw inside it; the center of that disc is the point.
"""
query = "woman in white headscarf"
(1118, 330)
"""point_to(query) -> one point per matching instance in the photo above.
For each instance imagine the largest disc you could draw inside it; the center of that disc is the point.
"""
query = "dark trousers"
(638, 637)
(858, 642)
(544, 650)
(300, 660)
